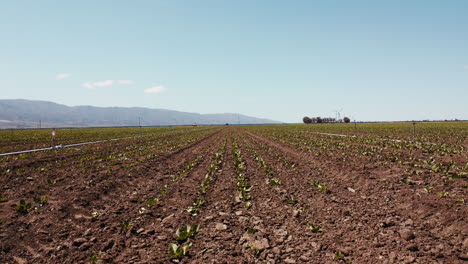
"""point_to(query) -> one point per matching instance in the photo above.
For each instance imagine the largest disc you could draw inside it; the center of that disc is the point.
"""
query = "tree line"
(319, 120)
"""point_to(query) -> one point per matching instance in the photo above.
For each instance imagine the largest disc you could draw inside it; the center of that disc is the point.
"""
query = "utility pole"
(139, 124)
(355, 126)
(414, 129)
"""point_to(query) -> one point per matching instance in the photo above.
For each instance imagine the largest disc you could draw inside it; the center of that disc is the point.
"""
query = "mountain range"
(20, 113)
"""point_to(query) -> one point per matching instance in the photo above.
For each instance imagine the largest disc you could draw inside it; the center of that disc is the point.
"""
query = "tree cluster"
(309, 120)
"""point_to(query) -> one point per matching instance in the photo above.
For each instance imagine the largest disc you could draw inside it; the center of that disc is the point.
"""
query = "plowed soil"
(128, 212)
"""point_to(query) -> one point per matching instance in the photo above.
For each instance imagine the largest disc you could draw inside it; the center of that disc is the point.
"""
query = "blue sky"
(375, 60)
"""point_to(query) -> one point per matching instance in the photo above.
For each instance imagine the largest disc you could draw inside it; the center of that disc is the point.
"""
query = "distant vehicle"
(194, 125)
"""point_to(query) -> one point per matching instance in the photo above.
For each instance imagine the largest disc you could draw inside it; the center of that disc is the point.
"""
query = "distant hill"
(26, 113)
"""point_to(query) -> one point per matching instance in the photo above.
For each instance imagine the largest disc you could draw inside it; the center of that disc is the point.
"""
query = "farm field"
(322, 193)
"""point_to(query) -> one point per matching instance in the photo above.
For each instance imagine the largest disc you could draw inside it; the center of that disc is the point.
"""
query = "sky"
(282, 60)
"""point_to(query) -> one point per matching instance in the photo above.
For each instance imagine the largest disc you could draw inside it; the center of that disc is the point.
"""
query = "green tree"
(307, 120)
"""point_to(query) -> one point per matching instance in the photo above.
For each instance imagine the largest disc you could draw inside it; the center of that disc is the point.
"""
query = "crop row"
(186, 233)
(343, 150)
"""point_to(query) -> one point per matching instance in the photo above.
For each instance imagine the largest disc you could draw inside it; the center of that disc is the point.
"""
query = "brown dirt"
(366, 214)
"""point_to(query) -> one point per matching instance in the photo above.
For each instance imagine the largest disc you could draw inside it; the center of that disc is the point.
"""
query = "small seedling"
(428, 189)
(292, 200)
(301, 210)
(338, 255)
(314, 183)
(178, 252)
(50, 181)
(407, 181)
(192, 210)
(94, 257)
(22, 207)
(244, 196)
(255, 250)
(443, 194)
(187, 232)
(152, 202)
(164, 189)
(320, 186)
(247, 205)
(3, 198)
(314, 228)
(323, 188)
(126, 224)
(275, 182)
(199, 203)
(41, 200)
(250, 230)
(203, 188)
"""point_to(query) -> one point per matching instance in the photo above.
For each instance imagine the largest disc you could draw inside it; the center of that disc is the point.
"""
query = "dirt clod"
(407, 234)
(79, 241)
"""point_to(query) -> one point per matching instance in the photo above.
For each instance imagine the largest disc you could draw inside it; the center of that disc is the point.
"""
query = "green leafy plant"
(51, 181)
(93, 258)
(22, 207)
(203, 188)
(428, 189)
(250, 230)
(292, 200)
(126, 224)
(192, 210)
(407, 181)
(338, 255)
(178, 252)
(255, 250)
(195, 209)
(42, 200)
(199, 203)
(245, 196)
(314, 228)
(151, 202)
(3, 198)
(187, 232)
(275, 182)
(164, 189)
(248, 205)
(320, 186)
(444, 194)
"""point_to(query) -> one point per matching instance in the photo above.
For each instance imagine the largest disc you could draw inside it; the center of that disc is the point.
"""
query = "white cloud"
(103, 83)
(155, 89)
(61, 76)
(99, 84)
(125, 82)
(94, 85)
(88, 85)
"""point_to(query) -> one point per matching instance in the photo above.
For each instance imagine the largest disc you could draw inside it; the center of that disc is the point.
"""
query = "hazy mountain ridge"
(28, 113)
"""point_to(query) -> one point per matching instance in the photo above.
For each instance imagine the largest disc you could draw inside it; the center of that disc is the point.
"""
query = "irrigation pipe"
(60, 147)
